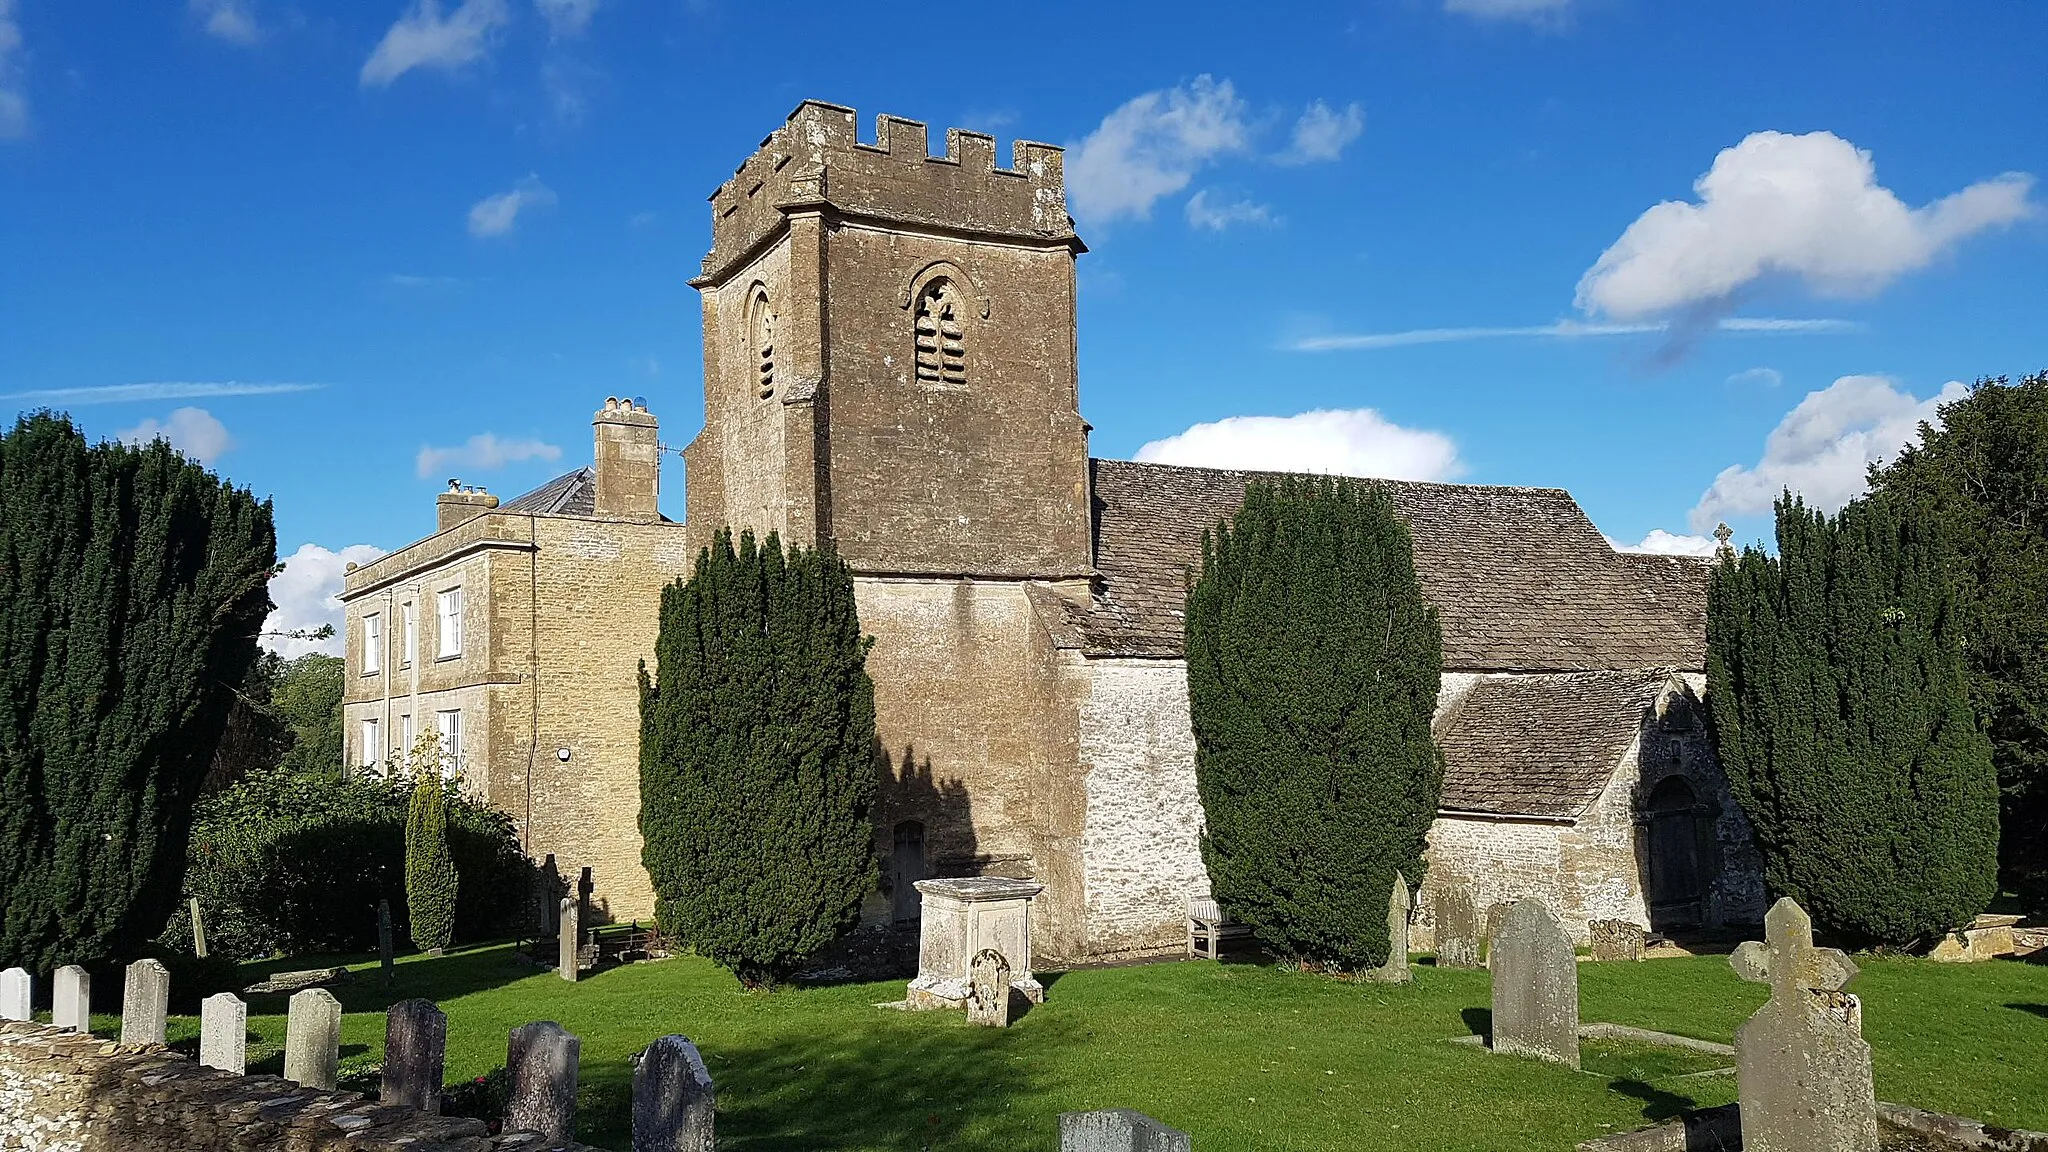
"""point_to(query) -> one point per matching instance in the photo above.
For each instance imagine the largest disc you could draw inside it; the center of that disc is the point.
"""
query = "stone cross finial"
(1723, 534)
(1787, 959)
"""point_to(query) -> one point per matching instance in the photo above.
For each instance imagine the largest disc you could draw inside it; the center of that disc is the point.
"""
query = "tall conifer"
(430, 879)
(1313, 668)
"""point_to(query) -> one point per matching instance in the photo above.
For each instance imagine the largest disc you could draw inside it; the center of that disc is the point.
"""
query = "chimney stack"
(458, 504)
(627, 459)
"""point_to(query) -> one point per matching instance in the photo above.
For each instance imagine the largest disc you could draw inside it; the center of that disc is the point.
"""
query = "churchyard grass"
(1244, 1057)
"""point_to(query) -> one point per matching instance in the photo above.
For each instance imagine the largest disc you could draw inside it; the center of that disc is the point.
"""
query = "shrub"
(430, 882)
(1313, 668)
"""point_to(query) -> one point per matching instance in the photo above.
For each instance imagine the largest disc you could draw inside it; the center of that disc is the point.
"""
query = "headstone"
(17, 995)
(297, 981)
(198, 931)
(961, 917)
(1119, 1130)
(1802, 1068)
(1496, 915)
(584, 887)
(988, 990)
(385, 960)
(1617, 939)
(1535, 986)
(224, 1032)
(547, 883)
(1399, 907)
(673, 1098)
(312, 1039)
(542, 1060)
(145, 997)
(568, 940)
(1457, 927)
(415, 1050)
(71, 999)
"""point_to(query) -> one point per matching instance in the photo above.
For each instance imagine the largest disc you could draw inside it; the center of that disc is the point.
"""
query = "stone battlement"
(816, 160)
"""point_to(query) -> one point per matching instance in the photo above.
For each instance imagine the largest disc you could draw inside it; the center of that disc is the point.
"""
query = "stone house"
(889, 363)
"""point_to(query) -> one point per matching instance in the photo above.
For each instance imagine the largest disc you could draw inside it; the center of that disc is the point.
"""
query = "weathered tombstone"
(224, 1032)
(1617, 939)
(542, 1059)
(584, 888)
(547, 883)
(71, 999)
(1496, 915)
(1535, 986)
(198, 931)
(568, 940)
(1457, 927)
(1119, 1130)
(17, 995)
(385, 959)
(988, 990)
(673, 1098)
(415, 1049)
(145, 997)
(1802, 1068)
(1399, 907)
(312, 1038)
(959, 918)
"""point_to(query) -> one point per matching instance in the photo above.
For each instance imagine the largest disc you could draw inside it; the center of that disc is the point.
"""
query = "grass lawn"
(1244, 1057)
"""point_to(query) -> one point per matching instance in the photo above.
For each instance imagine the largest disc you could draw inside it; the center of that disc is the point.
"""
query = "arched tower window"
(941, 335)
(761, 326)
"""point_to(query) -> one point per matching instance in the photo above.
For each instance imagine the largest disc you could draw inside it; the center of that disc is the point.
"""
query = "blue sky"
(344, 251)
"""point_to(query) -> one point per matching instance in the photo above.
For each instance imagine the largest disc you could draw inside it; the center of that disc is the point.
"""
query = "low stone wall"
(70, 1092)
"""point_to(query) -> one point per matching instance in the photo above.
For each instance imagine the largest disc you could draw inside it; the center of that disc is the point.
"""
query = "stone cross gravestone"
(198, 930)
(71, 999)
(224, 1032)
(384, 956)
(145, 997)
(1617, 939)
(1802, 1068)
(312, 1039)
(1399, 907)
(17, 995)
(1457, 927)
(415, 1050)
(1119, 1130)
(673, 1098)
(543, 1060)
(1535, 986)
(568, 940)
(988, 990)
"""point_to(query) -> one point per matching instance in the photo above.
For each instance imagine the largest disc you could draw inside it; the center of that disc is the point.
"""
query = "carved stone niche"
(960, 918)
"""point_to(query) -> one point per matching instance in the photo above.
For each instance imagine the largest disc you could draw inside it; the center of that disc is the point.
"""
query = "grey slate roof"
(570, 494)
(1521, 579)
(1542, 745)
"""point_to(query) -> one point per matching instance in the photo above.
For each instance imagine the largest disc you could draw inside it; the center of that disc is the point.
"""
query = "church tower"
(889, 354)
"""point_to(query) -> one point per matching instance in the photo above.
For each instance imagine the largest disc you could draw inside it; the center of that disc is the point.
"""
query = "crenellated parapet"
(817, 161)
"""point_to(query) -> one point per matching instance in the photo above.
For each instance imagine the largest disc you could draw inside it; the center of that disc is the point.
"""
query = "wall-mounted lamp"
(562, 754)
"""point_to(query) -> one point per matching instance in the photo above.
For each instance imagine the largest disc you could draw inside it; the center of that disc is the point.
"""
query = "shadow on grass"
(458, 972)
(1478, 1021)
(1657, 1103)
(2040, 1010)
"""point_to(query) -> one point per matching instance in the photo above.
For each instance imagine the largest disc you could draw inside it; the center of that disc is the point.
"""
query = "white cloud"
(1323, 133)
(424, 38)
(1344, 442)
(305, 597)
(567, 18)
(1217, 217)
(1805, 206)
(495, 215)
(231, 20)
(1562, 330)
(1508, 9)
(1823, 449)
(1768, 377)
(13, 101)
(1152, 146)
(483, 453)
(155, 390)
(193, 431)
(1662, 543)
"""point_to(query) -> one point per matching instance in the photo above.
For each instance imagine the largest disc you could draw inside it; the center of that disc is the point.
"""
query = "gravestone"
(17, 995)
(1616, 939)
(961, 917)
(385, 959)
(145, 997)
(71, 999)
(224, 1032)
(542, 1060)
(415, 1049)
(1802, 1068)
(1457, 927)
(312, 1039)
(988, 990)
(568, 940)
(547, 884)
(1496, 915)
(198, 931)
(584, 888)
(1119, 1130)
(1399, 906)
(1535, 986)
(673, 1098)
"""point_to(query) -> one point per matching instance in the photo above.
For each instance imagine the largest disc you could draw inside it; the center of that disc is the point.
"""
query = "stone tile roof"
(1521, 579)
(1542, 745)
(570, 494)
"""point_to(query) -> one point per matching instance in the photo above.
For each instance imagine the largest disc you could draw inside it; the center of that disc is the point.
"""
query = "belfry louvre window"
(763, 327)
(941, 338)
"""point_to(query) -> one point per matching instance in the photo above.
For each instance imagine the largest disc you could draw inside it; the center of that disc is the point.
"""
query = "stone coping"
(1900, 1127)
(975, 889)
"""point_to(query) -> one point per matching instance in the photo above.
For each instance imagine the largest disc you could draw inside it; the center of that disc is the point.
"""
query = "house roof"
(1521, 579)
(1542, 745)
(570, 494)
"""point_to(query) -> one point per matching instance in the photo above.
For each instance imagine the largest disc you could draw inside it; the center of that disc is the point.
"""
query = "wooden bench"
(1208, 928)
